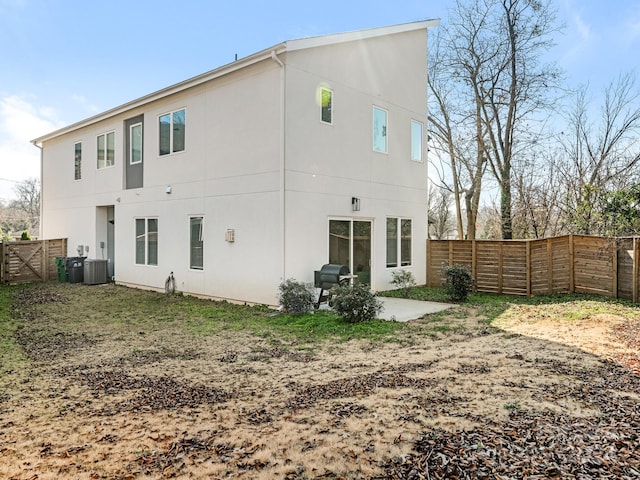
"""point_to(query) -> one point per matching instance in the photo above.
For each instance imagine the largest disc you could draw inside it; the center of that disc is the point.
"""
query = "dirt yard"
(531, 396)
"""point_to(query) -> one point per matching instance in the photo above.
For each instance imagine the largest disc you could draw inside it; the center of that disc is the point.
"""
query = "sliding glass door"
(350, 244)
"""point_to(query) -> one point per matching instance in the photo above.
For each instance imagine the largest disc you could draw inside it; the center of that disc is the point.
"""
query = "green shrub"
(25, 236)
(458, 282)
(403, 280)
(355, 303)
(296, 298)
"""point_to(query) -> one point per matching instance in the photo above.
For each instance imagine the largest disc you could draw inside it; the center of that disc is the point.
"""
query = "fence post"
(2, 247)
(474, 259)
(528, 265)
(572, 268)
(451, 253)
(45, 260)
(614, 268)
(549, 267)
(500, 265)
(636, 267)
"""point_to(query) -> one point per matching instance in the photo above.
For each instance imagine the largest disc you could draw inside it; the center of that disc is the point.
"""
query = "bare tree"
(538, 194)
(456, 127)
(491, 51)
(440, 214)
(28, 203)
(601, 156)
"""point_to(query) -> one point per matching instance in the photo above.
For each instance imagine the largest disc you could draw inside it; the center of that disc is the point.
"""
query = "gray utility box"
(95, 271)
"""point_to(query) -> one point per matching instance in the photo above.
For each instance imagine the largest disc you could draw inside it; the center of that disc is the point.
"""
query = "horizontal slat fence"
(572, 263)
(30, 261)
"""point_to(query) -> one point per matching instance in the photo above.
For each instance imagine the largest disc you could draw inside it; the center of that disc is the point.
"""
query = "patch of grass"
(512, 406)
(426, 294)
(312, 327)
(125, 311)
(492, 308)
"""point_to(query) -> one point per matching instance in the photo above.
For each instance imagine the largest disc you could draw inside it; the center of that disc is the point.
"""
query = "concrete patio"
(403, 309)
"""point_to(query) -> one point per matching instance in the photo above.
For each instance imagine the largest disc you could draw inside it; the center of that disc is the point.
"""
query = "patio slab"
(403, 309)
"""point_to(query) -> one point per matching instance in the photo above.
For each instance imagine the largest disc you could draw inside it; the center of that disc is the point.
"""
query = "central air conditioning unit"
(95, 272)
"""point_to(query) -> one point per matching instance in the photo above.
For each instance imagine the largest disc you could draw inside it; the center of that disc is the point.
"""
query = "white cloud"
(20, 122)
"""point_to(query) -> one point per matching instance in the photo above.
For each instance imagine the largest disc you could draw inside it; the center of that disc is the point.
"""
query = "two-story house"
(312, 151)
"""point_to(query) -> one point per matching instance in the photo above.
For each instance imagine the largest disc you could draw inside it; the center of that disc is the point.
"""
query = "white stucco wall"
(230, 172)
(327, 165)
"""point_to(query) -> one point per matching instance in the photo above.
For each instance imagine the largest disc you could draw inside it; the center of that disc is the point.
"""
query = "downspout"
(41, 219)
(283, 217)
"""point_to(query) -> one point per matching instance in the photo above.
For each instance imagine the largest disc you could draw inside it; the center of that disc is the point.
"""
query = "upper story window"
(326, 106)
(77, 162)
(106, 149)
(135, 143)
(172, 129)
(416, 141)
(379, 130)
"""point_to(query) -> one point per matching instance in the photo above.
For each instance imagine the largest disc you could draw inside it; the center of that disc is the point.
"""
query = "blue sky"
(65, 60)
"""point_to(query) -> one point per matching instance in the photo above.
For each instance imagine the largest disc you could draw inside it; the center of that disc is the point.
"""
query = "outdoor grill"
(329, 275)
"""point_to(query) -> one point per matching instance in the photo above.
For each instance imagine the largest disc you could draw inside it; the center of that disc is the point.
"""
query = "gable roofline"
(332, 39)
(266, 54)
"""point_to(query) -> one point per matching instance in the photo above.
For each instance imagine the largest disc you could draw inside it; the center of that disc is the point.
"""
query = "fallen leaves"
(532, 446)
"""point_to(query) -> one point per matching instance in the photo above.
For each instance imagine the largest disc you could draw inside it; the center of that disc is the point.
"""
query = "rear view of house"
(312, 151)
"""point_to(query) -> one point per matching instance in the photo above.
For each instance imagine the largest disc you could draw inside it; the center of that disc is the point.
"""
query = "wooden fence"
(573, 263)
(30, 261)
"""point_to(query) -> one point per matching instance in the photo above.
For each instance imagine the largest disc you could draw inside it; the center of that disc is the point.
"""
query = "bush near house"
(355, 303)
(296, 298)
(403, 280)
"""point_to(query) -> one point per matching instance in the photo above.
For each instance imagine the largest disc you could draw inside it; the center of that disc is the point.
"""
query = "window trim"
(77, 161)
(106, 150)
(146, 241)
(131, 127)
(385, 129)
(331, 110)
(171, 141)
(421, 150)
(201, 240)
(399, 250)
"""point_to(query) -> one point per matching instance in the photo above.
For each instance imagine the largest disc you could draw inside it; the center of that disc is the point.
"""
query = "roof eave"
(165, 92)
(323, 40)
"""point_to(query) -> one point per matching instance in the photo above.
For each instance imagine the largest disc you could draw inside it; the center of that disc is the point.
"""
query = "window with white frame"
(416, 141)
(135, 143)
(106, 149)
(326, 106)
(196, 243)
(399, 233)
(77, 162)
(379, 130)
(172, 130)
(146, 241)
